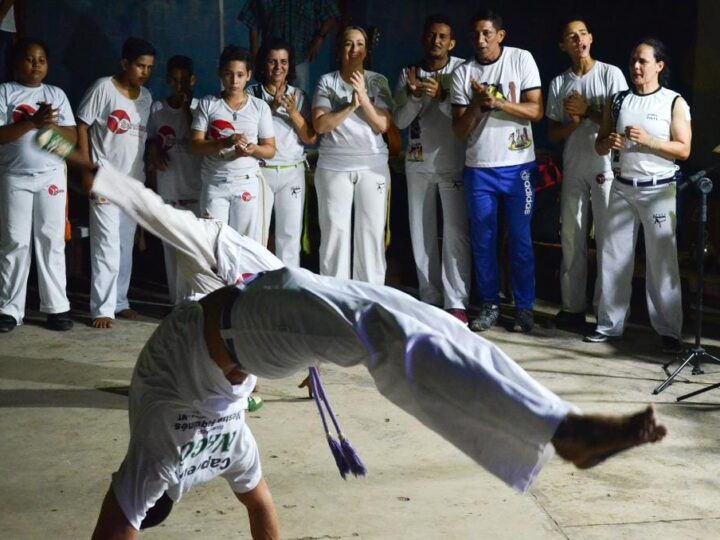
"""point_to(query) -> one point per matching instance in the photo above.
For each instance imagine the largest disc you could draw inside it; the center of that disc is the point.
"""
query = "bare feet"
(102, 322)
(587, 440)
(306, 384)
(129, 314)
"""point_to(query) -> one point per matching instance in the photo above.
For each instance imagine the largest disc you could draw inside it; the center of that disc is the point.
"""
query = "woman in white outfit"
(284, 173)
(647, 128)
(233, 130)
(351, 111)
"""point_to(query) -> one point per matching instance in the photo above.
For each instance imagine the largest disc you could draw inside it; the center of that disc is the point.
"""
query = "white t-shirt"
(187, 421)
(353, 145)
(652, 112)
(432, 145)
(596, 86)
(170, 127)
(23, 156)
(499, 140)
(215, 117)
(289, 149)
(118, 126)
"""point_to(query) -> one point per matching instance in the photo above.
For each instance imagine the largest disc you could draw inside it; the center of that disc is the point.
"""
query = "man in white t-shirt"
(495, 97)
(433, 164)
(112, 126)
(574, 110)
(172, 169)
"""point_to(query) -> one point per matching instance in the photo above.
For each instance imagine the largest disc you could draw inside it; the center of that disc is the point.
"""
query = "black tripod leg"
(698, 392)
(663, 385)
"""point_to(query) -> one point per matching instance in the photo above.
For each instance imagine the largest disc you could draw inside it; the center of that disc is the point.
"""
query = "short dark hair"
(660, 54)
(21, 47)
(180, 61)
(488, 15)
(233, 53)
(275, 44)
(135, 47)
(575, 17)
(437, 18)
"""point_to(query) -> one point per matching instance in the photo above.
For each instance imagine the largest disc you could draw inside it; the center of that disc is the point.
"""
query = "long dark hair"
(660, 54)
(277, 44)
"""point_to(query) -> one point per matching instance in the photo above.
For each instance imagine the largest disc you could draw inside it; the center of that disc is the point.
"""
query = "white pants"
(339, 193)
(112, 237)
(177, 286)
(444, 284)
(421, 358)
(236, 203)
(653, 208)
(32, 210)
(285, 192)
(579, 192)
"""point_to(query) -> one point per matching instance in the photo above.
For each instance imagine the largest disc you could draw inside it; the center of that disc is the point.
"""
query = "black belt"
(645, 183)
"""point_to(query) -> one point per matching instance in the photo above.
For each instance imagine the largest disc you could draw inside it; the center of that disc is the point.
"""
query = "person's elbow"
(684, 152)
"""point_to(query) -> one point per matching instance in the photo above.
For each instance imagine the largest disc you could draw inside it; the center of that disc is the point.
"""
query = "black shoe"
(568, 319)
(598, 337)
(671, 345)
(524, 321)
(59, 321)
(7, 323)
(489, 314)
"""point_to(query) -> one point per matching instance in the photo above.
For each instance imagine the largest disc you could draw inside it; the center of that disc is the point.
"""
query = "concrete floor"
(64, 423)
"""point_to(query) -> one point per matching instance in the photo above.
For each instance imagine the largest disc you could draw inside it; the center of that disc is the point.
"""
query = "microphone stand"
(697, 353)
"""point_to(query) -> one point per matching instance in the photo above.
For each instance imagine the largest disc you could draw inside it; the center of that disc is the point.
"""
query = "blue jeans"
(484, 189)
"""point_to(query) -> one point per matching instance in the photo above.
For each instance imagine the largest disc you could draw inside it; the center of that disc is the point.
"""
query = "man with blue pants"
(495, 97)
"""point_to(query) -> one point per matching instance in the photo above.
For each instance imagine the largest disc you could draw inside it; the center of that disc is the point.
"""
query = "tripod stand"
(697, 353)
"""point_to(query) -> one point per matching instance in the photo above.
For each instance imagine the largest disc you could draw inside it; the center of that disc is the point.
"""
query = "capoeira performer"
(233, 131)
(112, 126)
(574, 110)
(172, 169)
(33, 190)
(433, 163)
(285, 172)
(647, 129)
(189, 385)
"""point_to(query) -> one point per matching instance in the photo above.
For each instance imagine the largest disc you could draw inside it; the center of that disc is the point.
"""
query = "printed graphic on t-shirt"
(221, 129)
(211, 448)
(519, 139)
(21, 112)
(119, 123)
(415, 149)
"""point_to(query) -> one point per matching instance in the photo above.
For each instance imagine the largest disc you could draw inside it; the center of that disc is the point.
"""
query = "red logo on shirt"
(166, 137)
(119, 122)
(246, 196)
(21, 112)
(221, 129)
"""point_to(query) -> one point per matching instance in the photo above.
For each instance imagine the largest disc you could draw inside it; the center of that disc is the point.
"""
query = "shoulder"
(328, 79)
(455, 62)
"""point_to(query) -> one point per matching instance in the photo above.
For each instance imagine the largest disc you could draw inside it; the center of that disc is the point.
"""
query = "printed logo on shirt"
(119, 122)
(21, 112)
(519, 140)
(166, 137)
(659, 219)
(652, 116)
(380, 186)
(295, 191)
(221, 129)
(53, 190)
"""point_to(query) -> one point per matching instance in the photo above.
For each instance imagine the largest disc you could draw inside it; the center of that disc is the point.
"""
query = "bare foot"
(306, 384)
(587, 440)
(129, 314)
(102, 322)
